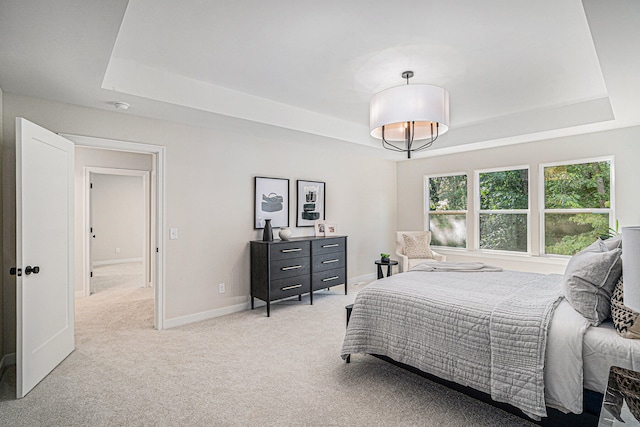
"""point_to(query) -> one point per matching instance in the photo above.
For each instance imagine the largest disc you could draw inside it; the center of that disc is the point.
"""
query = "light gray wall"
(209, 192)
(622, 144)
(118, 218)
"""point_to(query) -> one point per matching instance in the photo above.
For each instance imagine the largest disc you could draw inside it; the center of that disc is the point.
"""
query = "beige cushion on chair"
(406, 263)
(417, 245)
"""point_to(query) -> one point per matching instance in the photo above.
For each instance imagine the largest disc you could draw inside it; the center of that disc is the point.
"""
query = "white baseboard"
(7, 360)
(116, 261)
(205, 315)
(360, 280)
(80, 294)
(210, 314)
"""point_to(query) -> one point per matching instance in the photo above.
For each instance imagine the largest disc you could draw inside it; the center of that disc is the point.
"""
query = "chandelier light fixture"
(409, 113)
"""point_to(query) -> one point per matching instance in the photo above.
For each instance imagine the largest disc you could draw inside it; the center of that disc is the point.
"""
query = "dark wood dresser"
(286, 268)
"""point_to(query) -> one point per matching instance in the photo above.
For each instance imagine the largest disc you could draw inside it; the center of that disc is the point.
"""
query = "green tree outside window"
(447, 210)
(577, 205)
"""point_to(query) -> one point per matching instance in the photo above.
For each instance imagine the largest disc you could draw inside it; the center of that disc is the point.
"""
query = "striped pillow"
(624, 319)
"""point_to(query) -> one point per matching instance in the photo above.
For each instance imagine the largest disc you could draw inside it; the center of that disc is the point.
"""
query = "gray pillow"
(589, 279)
(614, 242)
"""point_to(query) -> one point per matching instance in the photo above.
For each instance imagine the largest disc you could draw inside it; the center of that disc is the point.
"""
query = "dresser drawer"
(328, 278)
(323, 246)
(282, 268)
(290, 286)
(328, 261)
(290, 250)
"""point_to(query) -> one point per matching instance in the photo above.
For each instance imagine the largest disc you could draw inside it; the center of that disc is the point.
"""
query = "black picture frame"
(310, 204)
(271, 201)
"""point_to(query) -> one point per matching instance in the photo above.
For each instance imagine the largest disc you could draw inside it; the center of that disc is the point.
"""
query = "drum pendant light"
(408, 114)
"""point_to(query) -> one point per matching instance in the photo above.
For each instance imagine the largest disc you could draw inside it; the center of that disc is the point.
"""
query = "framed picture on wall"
(271, 201)
(310, 203)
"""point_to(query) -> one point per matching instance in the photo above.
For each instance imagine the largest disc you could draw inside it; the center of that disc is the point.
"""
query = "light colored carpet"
(121, 276)
(238, 370)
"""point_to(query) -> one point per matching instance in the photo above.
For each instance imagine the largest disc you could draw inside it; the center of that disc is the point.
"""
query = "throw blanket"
(486, 331)
(454, 266)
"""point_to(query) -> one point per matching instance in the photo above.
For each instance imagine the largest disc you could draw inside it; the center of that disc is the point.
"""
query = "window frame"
(426, 202)
(478, 211)
(541, 197)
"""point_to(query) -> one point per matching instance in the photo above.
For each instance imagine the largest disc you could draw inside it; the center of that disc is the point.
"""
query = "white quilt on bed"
(468, 328)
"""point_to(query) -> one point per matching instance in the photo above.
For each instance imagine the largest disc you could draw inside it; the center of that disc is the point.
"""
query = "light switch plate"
(173, 234)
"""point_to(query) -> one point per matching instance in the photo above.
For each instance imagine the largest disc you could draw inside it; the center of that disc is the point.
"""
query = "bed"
(468, 327)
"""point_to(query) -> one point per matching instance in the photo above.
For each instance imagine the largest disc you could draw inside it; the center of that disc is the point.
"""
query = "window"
(447, 210)
(577, 205)
(503, 214)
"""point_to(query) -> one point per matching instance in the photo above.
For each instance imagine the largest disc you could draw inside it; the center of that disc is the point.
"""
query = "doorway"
(108, 149)
(119, 210)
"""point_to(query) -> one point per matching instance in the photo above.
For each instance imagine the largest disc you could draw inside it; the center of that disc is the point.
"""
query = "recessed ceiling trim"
(131, 77)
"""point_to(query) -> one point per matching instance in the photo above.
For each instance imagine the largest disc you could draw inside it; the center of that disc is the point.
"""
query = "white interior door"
(44, 243)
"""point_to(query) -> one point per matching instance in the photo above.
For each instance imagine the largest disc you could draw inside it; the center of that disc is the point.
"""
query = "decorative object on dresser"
(271, 198)
(284, 233)
(330, 230)
(310, 203)
(267, 234)
(283, 269)
(319, 227)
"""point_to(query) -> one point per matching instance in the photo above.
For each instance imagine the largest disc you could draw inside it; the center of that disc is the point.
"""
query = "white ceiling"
(516, 70)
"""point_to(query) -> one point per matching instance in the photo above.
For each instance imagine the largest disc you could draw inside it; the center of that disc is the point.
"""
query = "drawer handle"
(328, 279)
(329, 261)
(293, 267)
(284, 251)
(286, 288)
(335, 245)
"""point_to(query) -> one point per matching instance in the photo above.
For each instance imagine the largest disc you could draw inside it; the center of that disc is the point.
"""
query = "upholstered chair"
(420, 247)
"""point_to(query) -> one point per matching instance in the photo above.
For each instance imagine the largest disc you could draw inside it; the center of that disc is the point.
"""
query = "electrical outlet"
(173, 234)
(117, 250)
(221, 288)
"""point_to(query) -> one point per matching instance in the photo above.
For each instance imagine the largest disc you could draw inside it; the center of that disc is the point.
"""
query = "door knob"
(29, 270)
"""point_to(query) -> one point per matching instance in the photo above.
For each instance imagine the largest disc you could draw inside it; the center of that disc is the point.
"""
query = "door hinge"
(90, 229)
(157, 250)
(15, 271)
(91, 185)
(91, 274)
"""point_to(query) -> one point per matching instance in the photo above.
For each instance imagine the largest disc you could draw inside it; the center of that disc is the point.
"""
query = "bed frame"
(554, 418)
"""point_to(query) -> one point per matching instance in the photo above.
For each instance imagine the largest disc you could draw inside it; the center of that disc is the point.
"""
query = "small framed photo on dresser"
(319, 228)
(329, 230)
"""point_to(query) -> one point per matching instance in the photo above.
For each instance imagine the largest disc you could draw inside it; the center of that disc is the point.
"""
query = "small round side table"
(389, 265)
